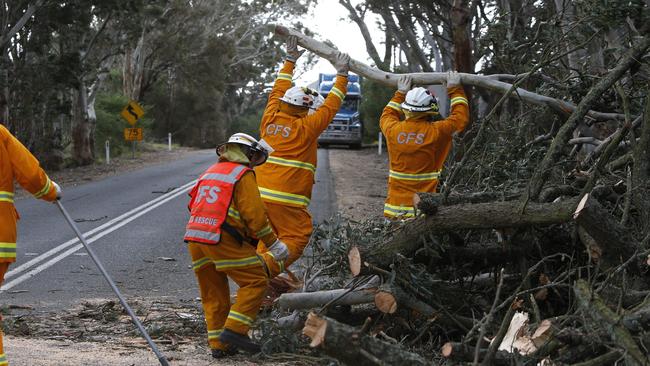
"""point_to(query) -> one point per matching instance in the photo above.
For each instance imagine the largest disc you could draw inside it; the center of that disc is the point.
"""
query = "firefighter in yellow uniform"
(418, 145)
(227, 219)
(17, 163)
(293, 119)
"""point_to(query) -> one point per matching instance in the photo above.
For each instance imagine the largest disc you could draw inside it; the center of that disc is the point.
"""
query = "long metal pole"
(161, 358)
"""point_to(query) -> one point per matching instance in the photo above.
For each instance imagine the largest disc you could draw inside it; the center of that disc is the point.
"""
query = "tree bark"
(615, 245)
(430, 78)
(390, 298)
(641, 172)
(408, 238)
(593, 305)
(461, 352)
(309, 300)
(83, 141)
(348, 345)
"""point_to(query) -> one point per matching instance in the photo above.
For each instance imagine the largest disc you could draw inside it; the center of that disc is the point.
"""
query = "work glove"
(404, 83)
(342, 63)
(293, 54)
(58, 190)
(279, 251)
(453, 79)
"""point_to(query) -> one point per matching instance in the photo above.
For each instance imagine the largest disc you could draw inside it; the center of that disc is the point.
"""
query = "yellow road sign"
(133, 134)
(132, 112)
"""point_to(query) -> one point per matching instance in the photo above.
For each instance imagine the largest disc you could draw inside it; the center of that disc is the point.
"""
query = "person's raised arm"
(393, 110)
(285, 76)
(459, 114)
(317, 122)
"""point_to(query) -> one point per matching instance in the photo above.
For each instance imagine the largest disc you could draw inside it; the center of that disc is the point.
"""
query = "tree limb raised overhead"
(429, 78)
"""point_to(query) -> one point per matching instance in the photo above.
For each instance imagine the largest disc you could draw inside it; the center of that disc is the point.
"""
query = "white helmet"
(256, 151)
(420, 100)
(302, 97)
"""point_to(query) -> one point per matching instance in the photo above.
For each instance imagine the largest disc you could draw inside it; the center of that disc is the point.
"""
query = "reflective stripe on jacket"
(17, 164)
(211, 197)
(417, 149)
(288, 175)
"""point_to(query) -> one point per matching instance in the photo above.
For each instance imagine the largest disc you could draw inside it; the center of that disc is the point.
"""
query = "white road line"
(109, 227)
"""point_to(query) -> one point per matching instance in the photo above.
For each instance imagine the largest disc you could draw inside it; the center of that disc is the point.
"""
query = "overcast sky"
(330, 21)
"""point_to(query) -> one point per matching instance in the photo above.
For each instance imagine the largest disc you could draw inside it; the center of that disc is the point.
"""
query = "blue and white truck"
(347, 127)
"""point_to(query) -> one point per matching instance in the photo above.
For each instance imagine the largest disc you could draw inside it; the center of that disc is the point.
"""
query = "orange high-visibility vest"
(210, 199)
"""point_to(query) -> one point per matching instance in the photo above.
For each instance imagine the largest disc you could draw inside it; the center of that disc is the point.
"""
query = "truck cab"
(347, 127)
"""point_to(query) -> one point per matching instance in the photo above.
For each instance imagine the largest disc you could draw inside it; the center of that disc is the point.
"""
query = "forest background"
(201, 68)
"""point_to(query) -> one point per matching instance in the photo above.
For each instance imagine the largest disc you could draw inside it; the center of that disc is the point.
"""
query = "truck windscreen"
(350, 105)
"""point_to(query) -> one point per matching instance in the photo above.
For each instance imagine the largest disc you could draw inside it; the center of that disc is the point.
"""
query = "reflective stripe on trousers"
(395, 211)
(414, 176)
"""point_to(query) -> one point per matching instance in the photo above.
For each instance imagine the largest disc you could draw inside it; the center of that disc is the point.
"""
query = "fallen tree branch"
(615, 245)
(309, 300)
(408, 238)
(429, 78)
(593, 305)
(350, 346)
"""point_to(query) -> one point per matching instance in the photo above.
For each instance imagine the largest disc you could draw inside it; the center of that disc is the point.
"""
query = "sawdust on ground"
(99, 332)
(360, 181)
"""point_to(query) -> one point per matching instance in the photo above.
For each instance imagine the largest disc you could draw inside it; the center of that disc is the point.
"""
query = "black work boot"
(240, 341)
(221, 353)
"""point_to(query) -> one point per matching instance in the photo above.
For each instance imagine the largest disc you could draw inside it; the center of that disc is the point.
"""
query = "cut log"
(350, 346)
(408, 238)
(431, 78)
(615, 245)
(460, 352)
(593, 305)
(309, 300)
(390, 298)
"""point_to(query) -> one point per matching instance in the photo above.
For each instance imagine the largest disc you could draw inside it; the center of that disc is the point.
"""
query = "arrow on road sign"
(132, 112)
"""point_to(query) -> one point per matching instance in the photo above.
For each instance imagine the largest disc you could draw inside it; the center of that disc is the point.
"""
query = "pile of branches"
(548, 263)
(446, 286)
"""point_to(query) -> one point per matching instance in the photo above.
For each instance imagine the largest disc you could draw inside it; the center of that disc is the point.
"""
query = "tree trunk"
(614, 244)
(83, 140)
(408, 238)
(346, 344)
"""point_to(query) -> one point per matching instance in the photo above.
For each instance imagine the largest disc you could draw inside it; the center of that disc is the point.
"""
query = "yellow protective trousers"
(3, 358)
(294, 226)
(213, 265)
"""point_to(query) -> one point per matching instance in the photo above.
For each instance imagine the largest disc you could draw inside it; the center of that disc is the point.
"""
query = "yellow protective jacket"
(288, 175)
(247, 213)
(17, 163)
(417, 149)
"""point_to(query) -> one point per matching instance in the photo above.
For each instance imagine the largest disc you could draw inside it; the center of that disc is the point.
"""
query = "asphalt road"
(135, 223)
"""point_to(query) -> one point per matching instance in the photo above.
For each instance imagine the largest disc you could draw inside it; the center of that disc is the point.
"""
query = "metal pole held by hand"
(163, 361)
